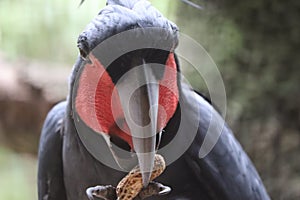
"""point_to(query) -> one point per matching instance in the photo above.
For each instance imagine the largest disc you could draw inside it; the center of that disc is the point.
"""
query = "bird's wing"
(50, 167)
(226, 170)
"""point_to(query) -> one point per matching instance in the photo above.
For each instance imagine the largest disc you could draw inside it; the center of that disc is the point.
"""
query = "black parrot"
(84, 138)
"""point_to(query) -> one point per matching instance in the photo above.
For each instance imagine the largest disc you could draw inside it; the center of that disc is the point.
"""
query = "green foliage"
(44, 29)
(256, 45)
(219, 36)
(18, 176)
(167, 7)
(48, 30)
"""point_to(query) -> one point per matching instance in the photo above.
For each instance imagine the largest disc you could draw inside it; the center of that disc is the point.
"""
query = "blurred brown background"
(255, 44)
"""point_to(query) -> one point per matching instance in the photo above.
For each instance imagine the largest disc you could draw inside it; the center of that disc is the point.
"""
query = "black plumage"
(66, 168)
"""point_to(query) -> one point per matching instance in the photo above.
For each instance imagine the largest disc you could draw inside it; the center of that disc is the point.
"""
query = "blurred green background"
(255, 44)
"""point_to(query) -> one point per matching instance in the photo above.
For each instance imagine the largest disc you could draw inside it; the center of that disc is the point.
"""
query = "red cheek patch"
(168, 93)
(85, 97)
(95, 94)
(93, 101)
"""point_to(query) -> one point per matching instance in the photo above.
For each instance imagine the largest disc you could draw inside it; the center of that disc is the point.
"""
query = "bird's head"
(127, 88)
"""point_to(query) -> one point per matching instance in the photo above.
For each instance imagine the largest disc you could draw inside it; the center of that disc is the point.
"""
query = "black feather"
(66, 168)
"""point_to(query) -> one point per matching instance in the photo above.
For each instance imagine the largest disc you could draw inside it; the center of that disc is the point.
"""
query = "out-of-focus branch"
(27, 91)
(192, 4)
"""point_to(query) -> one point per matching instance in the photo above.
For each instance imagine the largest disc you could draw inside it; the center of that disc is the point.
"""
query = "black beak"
(139, 92)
